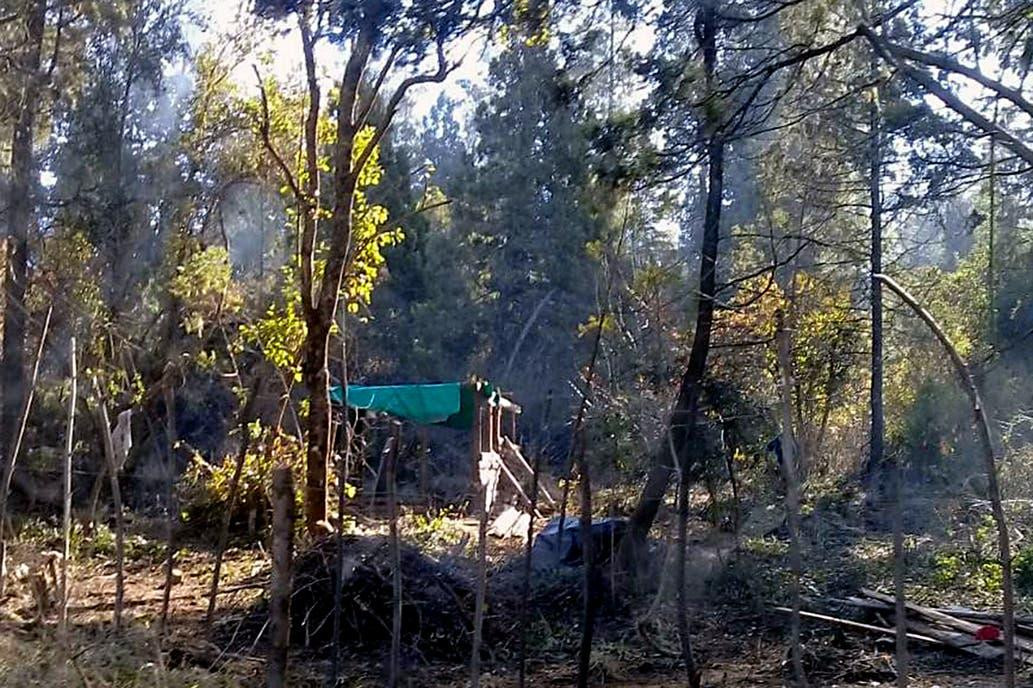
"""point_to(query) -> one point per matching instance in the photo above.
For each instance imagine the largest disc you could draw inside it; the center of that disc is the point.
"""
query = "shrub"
(207, 488)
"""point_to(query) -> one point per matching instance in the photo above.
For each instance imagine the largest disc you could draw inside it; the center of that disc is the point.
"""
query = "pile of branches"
(437, 599)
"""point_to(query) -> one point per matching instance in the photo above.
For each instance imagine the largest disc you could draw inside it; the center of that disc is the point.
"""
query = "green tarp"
(449, 403)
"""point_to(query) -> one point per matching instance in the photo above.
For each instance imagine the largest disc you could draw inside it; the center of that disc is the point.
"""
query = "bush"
(1022, 566)
(206, 488)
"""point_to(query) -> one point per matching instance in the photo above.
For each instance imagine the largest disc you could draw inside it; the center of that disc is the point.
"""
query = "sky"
(226, 16)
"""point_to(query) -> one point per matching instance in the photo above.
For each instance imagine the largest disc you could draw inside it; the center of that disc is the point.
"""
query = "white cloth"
(122, 437)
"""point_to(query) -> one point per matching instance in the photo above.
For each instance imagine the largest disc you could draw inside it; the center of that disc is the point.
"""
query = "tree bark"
(5, 481)
(171, 509)
(682, 421)
(990, 464)
(19, 219)
(317, 451)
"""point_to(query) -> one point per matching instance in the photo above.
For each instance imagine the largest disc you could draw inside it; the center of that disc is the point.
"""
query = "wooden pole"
(482, 581)
(526, 584)
(424, 468)
(394, 667)
(280, 587)
(116, 497)
(171, 509)
(66, 521)
(476, 439)
(789, 472)
(5, 488)
(982, 421)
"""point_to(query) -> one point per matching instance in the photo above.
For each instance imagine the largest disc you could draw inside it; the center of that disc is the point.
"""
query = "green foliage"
(432, 531)
(280, 332)
(947, 567)
(369, 238)
(206, 489)
(1022, 566)
(203, 283)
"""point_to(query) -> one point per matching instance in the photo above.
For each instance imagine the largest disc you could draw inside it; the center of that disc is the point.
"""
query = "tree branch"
(926, 81)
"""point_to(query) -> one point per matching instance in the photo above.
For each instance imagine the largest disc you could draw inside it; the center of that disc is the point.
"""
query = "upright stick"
(482, 576)
(396, 563)
(5, 489)
(792, 484)
(280, 588)
(116, 498)
(66, 524)
(526, 586)
(171, 509)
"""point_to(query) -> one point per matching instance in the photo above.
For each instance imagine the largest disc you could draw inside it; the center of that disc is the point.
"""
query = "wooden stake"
(66, 522)
(171, 509)
(792, 492)
(482, 584)
(280, 587)
(116, 498)
(394, 667)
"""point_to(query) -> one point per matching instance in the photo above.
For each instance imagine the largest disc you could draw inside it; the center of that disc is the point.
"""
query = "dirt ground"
(740, 641)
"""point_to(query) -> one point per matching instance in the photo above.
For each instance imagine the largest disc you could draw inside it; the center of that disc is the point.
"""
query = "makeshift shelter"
(497, 465)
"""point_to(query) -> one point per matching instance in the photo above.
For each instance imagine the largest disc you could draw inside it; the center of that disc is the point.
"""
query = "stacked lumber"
(967, 630)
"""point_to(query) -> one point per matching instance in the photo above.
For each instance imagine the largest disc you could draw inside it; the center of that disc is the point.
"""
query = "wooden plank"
(946, 619)
(515, 451)
(516, 485)
(958, 641)
(1023, 623)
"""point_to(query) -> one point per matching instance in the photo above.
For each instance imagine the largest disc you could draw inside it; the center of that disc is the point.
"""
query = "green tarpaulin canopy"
(449, 403)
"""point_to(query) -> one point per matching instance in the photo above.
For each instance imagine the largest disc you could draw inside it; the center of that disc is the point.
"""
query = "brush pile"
(437, 608)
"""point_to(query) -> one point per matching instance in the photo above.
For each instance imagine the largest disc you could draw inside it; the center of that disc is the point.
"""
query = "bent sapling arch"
(990, 465)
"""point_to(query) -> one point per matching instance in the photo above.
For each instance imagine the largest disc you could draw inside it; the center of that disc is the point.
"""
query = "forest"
(515, 343)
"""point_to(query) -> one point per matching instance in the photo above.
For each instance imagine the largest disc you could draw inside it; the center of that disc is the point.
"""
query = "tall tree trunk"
(19, 220)
(317, 378)
(321, 307)
(681, 425)
(877, 456)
